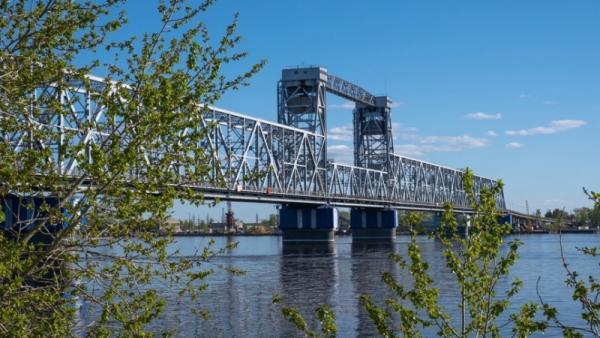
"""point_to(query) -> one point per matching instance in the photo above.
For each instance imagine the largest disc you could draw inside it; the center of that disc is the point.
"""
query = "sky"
(508, 88)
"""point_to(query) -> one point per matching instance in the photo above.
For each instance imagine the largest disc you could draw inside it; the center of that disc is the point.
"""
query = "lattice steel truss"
(79, 126)
(350, 91)
(252, 155)
(255, 160)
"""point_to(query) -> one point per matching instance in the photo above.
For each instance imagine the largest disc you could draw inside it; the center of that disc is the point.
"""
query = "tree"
(273, 220)
(586, 291)
(595, 214)
(98, 186)
(478, 263)
(557, 214)
(582, 216)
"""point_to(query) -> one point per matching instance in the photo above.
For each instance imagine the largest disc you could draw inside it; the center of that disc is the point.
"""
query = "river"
(308, 276)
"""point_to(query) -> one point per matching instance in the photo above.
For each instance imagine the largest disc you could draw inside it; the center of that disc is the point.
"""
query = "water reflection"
(370, 261)
(308, 277)
(302, 250)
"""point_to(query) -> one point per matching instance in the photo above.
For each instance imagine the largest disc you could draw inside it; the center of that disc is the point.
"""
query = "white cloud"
(341, 133)
(552, 128)
(550, 102)
(340, 153)
(402, 132)
(483, 116)
(431, 144)
(492, 133)
(462, 141)
(412, 149)
(345, 105)
(415, 144)
(524, 96)
(397, 104)
(514, 145)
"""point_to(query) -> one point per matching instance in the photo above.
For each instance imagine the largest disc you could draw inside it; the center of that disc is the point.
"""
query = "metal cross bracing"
(373, 139)
(255, 160)
(302, 104)
(349, 91)
(79, 126)
(252, 155)
(428, 183)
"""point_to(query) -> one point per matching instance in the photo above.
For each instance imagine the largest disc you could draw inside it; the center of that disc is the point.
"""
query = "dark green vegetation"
(156, 82)
(479, 261)
(583, 217)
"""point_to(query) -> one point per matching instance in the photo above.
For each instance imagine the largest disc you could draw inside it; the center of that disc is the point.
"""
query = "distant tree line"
(194, 224)
(580, 217)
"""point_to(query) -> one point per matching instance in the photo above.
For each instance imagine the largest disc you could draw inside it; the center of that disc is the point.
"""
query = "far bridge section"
(285, 162)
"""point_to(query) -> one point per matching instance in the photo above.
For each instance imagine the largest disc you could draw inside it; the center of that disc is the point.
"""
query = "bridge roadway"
(254, 160)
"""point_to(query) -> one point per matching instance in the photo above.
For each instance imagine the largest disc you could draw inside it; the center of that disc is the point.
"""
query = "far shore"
(348, 233)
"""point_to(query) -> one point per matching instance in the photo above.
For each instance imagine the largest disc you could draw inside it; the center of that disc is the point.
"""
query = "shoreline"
(403, 233)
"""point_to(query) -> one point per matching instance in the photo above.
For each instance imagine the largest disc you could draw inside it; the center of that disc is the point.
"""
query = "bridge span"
(286, 162)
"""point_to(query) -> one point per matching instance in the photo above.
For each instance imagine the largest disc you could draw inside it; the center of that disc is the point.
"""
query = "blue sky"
(508, 88)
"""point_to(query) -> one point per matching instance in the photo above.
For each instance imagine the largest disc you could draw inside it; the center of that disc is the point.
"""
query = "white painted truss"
(253, 159)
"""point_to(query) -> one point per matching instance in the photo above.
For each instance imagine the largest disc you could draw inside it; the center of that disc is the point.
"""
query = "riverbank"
(349, 233)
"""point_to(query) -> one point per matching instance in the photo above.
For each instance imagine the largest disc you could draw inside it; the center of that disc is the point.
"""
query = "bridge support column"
(373, 223)
(22, 214)
(301, 223)
(508, 218)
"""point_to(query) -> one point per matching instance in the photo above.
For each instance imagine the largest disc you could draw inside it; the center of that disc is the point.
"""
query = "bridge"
(286, 162)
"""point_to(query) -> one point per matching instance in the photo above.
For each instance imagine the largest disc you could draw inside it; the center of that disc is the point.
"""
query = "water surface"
(308, 276)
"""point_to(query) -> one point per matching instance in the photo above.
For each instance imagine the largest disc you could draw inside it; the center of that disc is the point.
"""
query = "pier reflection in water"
(368, 256)
(308, 276)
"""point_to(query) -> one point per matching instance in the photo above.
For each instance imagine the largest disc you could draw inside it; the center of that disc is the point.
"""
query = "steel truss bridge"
(256, 160)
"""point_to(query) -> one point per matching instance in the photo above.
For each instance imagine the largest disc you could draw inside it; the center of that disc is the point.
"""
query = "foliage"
(272, 221)
(586, 291)
(479, 259)
(128, 162)
(557, 214)
(581, 217)
(323, 313)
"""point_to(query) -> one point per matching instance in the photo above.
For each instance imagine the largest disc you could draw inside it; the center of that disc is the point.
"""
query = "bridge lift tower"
(302, 104)
(373, 141)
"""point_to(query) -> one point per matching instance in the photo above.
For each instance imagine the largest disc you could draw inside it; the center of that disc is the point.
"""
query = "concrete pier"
(302, 224)
(373, 223)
